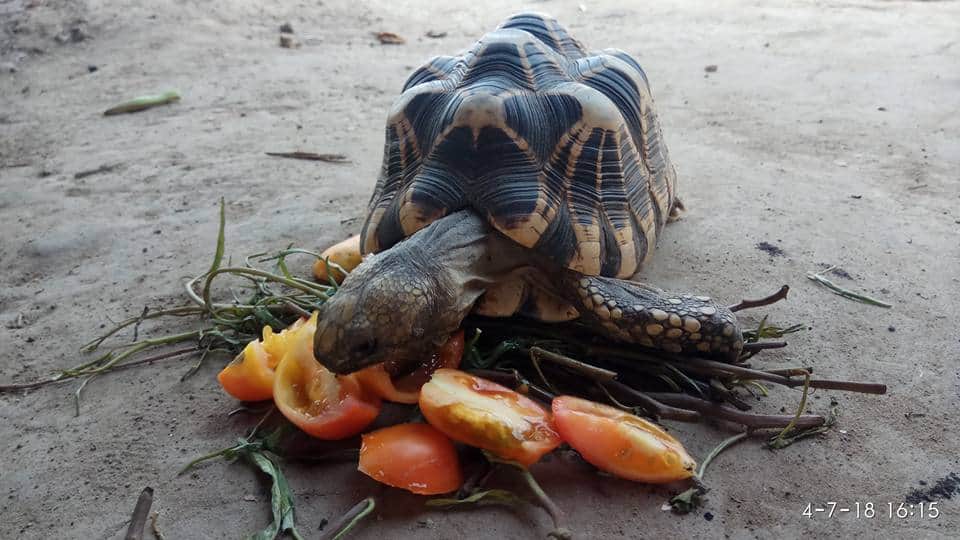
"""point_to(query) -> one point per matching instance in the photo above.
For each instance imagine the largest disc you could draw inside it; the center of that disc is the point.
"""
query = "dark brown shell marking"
(561, 151)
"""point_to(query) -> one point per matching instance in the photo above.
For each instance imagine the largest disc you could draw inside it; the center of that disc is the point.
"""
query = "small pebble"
(891, 328)
(708, 516)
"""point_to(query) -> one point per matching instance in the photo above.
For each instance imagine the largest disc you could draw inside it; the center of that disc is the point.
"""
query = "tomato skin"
(346, 254)
(414, 457)
(320, 403)
(481, 413)
(406, 389)
(249, 377)
(621, 443)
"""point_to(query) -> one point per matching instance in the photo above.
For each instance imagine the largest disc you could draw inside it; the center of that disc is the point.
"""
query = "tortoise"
(523, 177)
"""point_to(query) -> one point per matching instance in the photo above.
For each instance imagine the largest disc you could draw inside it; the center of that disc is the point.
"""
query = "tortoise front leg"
(635, 313)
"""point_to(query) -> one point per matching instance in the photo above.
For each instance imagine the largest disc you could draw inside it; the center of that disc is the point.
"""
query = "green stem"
(803, 404)
(726, 443)
(293, 284)
(349, 520)
(173, 312)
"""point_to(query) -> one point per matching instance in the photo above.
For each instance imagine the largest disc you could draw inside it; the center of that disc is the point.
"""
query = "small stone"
(287, 41)
(286, 28)
(891, 328)
(712, 68)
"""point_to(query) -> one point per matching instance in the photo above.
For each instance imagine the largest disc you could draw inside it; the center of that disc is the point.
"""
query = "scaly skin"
(400, 305)
(631, 312)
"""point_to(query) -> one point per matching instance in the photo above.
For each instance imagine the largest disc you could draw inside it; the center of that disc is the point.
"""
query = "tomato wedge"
(414, 457)
(317, 401)
(406, 389)
(249, 377)
(484, 414)
(621, 443)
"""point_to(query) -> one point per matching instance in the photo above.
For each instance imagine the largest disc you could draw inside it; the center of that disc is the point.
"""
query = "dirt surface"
(829, 130)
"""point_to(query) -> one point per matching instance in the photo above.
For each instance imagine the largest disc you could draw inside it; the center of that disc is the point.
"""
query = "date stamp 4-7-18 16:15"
(872, 510)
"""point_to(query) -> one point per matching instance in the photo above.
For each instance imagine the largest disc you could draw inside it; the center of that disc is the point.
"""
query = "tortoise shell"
(559, 150)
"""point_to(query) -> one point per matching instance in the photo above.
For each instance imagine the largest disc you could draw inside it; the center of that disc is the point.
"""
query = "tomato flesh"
(320, 403)
(250, 376)
(621, 443)
(406, 389)
(484, 414)
(414, 457)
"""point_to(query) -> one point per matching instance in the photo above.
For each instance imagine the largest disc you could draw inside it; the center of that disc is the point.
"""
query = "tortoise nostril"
(364, 347)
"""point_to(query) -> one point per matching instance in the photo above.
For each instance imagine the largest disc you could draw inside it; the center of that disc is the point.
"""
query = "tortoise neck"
(466, 251)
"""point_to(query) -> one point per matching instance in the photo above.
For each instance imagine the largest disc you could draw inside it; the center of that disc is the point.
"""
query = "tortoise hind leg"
(635, 313)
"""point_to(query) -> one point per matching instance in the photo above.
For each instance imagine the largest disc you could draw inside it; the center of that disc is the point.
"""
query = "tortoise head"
(396, 308)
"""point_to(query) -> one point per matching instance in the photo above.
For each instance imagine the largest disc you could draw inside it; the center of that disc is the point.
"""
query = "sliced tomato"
(406, 389)
(414, 457)
(621, 443)
(249, 377)
(484, 414)
(320, 403)
(277, 344)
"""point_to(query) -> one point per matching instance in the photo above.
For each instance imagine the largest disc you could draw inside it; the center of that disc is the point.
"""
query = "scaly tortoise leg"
(635, 313)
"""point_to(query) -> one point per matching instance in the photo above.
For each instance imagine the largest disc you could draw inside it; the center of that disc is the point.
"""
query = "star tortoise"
(527, 177)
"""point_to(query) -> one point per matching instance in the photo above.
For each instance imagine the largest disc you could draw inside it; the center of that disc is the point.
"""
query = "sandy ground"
(829, 130)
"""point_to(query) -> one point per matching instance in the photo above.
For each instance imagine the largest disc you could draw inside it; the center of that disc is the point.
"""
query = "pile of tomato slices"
(459, 408)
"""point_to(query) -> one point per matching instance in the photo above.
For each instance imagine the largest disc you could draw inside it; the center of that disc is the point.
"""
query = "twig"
(99, 170)
(765, 301)
(846, 293)
(140, 513)
(594, 372)
(556, 515)
(311, 156)
(761, 345)
(654, 407)
(155, 527)
(716, 410)
(353, 516)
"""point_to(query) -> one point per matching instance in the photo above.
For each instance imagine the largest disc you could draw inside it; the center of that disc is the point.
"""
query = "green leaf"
(485, 497)
(221, 239)
(281, 499)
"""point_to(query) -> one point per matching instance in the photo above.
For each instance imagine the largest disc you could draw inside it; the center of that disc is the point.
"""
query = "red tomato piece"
(318, 402)
(414, 457)
(406, 389)
(621, 443)
(249, 377)
(484, 414)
